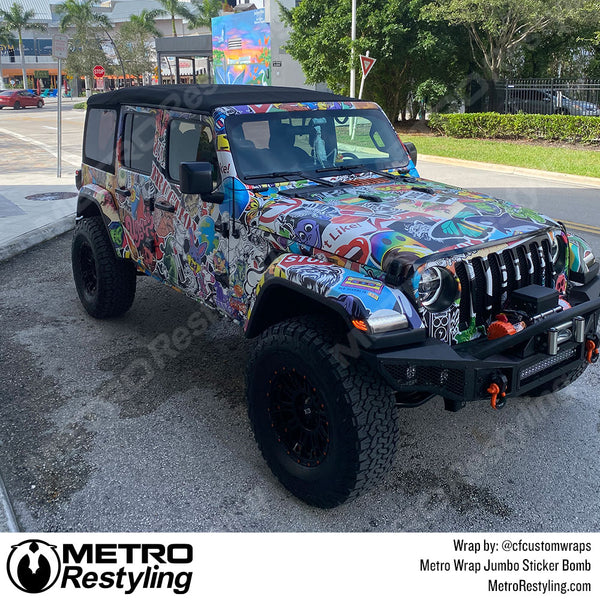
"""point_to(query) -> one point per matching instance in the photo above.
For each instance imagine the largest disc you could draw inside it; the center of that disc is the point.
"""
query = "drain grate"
(50, 196)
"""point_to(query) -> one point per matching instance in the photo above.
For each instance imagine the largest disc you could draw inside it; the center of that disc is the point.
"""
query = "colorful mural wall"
(242, 48)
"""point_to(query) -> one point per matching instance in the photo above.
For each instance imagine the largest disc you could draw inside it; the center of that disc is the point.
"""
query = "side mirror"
(412, 151)
(195, 178)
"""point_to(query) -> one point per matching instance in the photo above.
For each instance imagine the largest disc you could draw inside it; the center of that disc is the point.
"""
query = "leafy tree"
(16, 18)
(90, 30)
(205, 11)
(176, 8)
(408, 51)
(6, 39)
(134, 41)
(498, 28)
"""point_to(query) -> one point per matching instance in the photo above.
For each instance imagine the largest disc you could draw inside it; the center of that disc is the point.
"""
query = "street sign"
(41, 74)
(99, 71)
(366, 62)
(60, 46)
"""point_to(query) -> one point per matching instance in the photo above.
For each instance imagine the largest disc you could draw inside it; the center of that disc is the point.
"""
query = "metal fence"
(537, 96)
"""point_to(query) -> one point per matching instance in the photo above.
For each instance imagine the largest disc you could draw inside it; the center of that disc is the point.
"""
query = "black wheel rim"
(87, 265)
(299, 417)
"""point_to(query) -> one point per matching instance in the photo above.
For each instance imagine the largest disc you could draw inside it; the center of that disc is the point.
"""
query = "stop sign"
(98, 71)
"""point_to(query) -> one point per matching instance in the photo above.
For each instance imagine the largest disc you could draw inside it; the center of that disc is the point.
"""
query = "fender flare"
(350, 295)
(275, 285)
(93, 200)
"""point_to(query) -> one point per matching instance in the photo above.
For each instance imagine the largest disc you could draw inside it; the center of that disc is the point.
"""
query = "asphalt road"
(40, 124)
(99, 432)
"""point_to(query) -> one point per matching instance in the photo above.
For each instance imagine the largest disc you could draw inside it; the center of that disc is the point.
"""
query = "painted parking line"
(582, 227)
(66, 157)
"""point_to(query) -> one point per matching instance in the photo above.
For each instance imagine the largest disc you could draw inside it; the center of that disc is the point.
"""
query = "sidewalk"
(35, 205)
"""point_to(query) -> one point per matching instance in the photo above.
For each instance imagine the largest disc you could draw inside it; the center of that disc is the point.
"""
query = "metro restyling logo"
(34, 566)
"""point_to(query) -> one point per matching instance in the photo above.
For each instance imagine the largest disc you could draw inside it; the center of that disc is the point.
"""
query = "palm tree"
(205, 11)
(143, 24)
(175, 8)
(87, 23)
(134, 36)
(16, 18)
(6, 39)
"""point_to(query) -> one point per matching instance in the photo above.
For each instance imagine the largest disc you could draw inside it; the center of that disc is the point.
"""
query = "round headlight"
(437, 289)
(558, 250)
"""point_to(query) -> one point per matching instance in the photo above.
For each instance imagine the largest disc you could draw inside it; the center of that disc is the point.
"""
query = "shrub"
(82, 105)
(564, 128)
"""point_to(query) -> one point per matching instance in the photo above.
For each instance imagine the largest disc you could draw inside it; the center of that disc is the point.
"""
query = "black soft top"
(208, 97)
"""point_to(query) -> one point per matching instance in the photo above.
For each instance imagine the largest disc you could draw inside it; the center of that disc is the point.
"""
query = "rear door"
(135, 192)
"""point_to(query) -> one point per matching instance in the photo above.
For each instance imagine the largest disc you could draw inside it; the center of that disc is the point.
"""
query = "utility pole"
(59, 122)
(60, 51)
(353, 37)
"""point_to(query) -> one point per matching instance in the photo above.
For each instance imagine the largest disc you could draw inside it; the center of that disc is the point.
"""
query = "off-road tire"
(16, 106)
(105, 283)
(357, 407)
(557, 384)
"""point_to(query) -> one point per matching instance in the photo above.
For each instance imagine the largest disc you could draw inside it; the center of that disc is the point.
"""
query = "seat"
(283, 151)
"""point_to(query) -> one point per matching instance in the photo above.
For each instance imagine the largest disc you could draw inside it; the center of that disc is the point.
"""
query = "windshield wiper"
(290, 176)
(281, 174)
(404, 176)
(343, 168)
(355, 169)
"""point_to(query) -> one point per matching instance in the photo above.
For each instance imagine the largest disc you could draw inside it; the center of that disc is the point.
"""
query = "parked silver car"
(548, 102)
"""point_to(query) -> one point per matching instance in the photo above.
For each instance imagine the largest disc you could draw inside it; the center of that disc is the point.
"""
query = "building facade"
(37, 45)
(248, 42)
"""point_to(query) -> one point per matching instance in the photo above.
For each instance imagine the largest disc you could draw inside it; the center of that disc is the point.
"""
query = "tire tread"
(373, 408)
(116, 277)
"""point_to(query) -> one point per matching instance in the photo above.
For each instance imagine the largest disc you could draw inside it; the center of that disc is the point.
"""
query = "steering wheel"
(341, 120)
(348, 155)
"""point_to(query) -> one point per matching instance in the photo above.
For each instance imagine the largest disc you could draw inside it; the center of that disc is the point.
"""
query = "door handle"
(123, 191)
(164, 206)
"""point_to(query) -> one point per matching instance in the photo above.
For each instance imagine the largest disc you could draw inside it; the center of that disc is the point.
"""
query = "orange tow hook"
(495, 393)
(591, 351)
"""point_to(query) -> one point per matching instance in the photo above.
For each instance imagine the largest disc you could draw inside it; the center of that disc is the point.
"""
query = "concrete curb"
(548, 175)
(9, 522)
(37, 236)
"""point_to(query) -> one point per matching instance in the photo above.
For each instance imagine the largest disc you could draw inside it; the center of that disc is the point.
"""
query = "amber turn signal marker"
(360, 324)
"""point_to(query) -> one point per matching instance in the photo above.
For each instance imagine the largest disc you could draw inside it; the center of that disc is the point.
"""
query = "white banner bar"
(282, 566)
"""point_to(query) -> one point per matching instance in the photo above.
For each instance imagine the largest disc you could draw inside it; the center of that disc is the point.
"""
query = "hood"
(373, 222)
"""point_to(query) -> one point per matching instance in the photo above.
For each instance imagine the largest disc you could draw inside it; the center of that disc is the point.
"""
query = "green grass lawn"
(544, 157)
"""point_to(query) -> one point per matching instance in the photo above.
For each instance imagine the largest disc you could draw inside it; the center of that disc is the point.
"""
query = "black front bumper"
(465, 372)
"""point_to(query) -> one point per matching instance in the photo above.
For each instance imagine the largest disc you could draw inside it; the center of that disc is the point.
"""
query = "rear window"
(7, 93)
(100, 133)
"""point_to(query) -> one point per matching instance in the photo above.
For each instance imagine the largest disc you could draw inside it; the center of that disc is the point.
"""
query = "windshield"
(313, 142)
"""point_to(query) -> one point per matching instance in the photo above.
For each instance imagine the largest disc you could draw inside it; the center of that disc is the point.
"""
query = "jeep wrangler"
(301, 216)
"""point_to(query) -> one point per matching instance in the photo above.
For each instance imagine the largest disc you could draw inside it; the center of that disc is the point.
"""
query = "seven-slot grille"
(487, 282)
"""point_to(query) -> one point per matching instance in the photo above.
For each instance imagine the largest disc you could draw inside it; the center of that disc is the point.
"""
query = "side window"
(99, 145)
(138, 141)
(191, 141)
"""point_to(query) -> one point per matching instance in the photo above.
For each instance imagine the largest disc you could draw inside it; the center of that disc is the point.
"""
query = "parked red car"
(19, 99)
